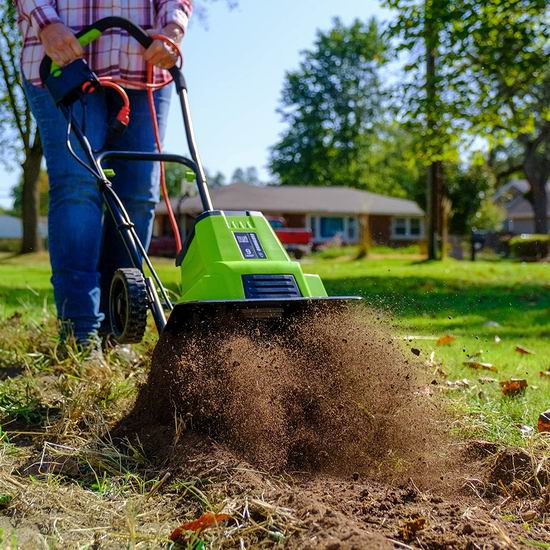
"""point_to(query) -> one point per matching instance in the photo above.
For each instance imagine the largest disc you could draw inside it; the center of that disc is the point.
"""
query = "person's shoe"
(93, 365)
(121, 352)
(92, 353)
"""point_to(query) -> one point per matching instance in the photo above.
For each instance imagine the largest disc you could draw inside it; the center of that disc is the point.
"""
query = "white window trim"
(313, 223)
(407, 236)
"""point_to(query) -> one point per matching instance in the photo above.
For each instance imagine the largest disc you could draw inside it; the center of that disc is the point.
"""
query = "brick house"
(329, 212)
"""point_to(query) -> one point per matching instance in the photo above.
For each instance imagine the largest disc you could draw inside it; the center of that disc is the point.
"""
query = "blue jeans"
(85, 248)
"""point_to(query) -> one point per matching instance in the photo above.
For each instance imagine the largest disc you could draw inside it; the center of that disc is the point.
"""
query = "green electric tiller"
(232, 264)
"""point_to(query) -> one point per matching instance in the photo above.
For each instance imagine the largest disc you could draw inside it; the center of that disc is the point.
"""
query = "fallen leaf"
(544, 373)
(446, 340)
(523, 351)
(198, 525)
(529, 515)
(411, 527)
(480, 366)
(543, 424)
(513, 386)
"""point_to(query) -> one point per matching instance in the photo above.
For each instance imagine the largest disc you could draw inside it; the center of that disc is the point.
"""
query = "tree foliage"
(332, 106)
(246, 175)
(19, 139)
(493, 79)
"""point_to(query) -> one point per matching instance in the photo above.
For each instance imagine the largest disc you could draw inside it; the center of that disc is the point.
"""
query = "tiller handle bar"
(92, 32)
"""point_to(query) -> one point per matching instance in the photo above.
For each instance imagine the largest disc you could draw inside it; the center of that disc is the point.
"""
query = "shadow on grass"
(518, 306)
(521, 307)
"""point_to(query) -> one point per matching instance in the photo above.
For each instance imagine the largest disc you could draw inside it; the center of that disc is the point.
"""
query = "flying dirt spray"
(332, 393)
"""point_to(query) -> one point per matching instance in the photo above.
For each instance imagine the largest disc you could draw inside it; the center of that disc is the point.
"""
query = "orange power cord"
(124, 117)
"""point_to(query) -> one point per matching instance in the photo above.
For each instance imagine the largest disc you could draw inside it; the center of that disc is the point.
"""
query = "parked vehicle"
(163, 246)
(297, 241)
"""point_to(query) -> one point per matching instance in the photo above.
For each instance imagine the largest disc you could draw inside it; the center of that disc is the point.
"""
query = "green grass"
(489, 307)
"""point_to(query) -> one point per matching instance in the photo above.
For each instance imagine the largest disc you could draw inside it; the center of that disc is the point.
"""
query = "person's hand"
(161, 54)
(60, 44)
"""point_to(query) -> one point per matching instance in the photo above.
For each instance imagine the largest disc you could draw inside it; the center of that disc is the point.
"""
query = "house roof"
(510, 190)
(298, 199)
(522, 209)
(511, 197)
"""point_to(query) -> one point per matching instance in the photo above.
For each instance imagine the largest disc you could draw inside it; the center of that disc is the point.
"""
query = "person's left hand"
(161, 54)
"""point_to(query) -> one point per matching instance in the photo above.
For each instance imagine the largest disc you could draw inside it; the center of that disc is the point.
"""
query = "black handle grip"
(132, 29)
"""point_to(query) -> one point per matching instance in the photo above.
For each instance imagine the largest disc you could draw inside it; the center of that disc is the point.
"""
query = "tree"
(248, 175)
(332, 106)
(494, 77)
(507, 45)
(470, 189)
(392, 165)
(19, 139)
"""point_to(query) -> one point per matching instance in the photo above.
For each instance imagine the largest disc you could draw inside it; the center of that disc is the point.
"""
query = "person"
(84, 246)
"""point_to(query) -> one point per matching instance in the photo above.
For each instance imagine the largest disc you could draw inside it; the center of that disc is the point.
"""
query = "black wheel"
(128, 306)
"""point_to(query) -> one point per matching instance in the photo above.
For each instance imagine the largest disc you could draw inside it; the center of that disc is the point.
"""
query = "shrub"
(530, 248)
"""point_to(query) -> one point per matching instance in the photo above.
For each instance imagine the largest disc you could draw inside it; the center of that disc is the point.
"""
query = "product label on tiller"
(250, 246)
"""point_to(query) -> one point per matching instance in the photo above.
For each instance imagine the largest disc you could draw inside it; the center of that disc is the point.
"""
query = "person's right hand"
(60, 44)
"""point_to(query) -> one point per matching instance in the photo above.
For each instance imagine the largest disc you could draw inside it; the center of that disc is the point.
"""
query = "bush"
(530, 248)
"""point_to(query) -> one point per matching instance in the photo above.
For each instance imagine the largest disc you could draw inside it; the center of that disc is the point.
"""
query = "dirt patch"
(316, 510)
(332, 392)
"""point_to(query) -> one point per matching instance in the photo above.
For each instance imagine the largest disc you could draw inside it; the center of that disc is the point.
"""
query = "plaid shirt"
(114, 53)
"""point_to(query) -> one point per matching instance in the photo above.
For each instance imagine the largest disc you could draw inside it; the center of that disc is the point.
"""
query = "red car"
(163, 246)
(297, 241)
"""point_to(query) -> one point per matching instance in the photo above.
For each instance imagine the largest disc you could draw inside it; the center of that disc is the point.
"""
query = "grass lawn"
(489, 307)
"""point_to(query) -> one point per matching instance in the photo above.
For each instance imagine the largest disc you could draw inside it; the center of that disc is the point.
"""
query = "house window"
(400, 227)
(330, 227)
(407, 228)
(326, 228)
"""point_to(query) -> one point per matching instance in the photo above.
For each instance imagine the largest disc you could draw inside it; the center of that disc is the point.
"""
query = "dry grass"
(65, 484)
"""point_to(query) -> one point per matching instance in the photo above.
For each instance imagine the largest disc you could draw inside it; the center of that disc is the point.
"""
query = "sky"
(235, 63)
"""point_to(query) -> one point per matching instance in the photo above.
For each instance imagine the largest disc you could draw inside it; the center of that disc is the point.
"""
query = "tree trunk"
(536, 167)
(434, 183)
(32, 240)
(435, 210)
(365, 237)
(539, 202)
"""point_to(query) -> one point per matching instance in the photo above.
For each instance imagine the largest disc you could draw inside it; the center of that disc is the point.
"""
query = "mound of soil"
(317, 510)
(329, 392)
